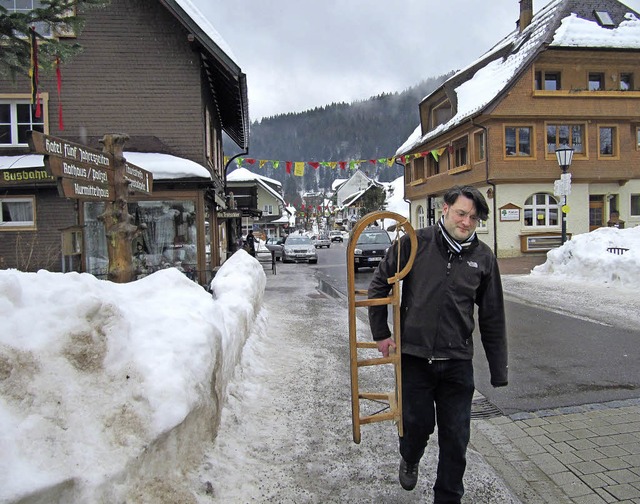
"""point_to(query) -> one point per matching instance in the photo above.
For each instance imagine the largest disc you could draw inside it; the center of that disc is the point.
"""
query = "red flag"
(288, 166)
(343, 164)
(59, 79)
(33, 71)
(314, 164)
(250, 160)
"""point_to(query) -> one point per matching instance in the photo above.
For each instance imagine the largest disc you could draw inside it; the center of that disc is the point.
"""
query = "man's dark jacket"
(438, 297)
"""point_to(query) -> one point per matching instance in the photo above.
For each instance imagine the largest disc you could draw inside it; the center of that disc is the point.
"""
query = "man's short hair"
(452, 195)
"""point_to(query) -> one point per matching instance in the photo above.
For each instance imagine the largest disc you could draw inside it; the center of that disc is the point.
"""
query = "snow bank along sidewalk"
(108, 392)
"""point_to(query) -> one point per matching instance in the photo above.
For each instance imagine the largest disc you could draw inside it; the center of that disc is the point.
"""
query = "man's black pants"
(443, 390)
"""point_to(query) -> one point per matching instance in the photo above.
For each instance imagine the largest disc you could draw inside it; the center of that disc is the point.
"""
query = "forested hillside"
(368, 129)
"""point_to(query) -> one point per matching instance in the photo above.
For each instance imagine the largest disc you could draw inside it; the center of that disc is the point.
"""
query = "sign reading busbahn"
(85, 173)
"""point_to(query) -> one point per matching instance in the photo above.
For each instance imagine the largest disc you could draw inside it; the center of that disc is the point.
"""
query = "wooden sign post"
(91, 175)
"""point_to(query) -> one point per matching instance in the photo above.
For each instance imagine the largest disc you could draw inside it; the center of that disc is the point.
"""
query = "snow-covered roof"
(220, 68)
(352, 198)
(337, 183)
(161, 166)
(562, 23)
(192, 11)
(244, 175)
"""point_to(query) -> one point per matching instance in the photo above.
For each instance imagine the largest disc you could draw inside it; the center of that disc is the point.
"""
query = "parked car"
(322, 240)
(335, 236)
(299, 248)
(275, 244)
(370, 248)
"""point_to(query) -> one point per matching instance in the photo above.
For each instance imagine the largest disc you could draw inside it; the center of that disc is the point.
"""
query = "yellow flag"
(298, 169)
(262, 162)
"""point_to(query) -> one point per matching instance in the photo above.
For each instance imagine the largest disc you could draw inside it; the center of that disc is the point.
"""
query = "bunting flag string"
(297, 167)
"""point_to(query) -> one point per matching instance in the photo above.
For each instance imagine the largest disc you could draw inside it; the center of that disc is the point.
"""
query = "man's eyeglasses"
(462, 214)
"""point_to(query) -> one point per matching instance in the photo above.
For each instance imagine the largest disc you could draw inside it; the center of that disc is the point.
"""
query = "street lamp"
(564, 155)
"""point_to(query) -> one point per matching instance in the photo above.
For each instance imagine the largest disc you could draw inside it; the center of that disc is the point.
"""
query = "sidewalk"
(520, 265)
(587, 454)
(583, 454)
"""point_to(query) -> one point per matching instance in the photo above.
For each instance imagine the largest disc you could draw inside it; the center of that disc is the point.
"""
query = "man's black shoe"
(408, 474)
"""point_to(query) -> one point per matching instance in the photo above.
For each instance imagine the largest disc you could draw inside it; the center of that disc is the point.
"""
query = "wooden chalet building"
(568, 76)
(158, 72)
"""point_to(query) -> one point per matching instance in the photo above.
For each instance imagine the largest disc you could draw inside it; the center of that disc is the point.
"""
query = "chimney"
(526, 13)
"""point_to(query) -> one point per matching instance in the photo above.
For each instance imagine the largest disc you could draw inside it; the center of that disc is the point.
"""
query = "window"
(418, 168)
(596, 81)
(441, 114)
(518, 140)
(635, 205)
(548, 81)
(24, 6)
(565, 134)
(407, 173)
(637, 138)
(17, 212)
(433, 165)
(541, 210)
(420, 214)
(268, 209)
(16, 118)
(479, 144)
(604, 19)
(460, 152)
(169, 240)
(626, 82)
(607, 141)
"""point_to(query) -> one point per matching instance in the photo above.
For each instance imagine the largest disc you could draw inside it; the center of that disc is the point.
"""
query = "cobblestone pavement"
(587, 454)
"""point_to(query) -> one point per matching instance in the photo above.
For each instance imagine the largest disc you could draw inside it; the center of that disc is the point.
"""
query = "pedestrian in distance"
(452, 271)
(251, 243)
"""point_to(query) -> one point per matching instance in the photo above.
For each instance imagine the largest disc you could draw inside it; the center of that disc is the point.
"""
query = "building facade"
(566, 77)
(157, 72)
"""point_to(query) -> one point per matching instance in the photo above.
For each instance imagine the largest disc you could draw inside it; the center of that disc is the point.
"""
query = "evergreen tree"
(52, 17)
(373, 200)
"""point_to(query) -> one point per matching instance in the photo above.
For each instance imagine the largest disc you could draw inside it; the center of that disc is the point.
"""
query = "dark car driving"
(371, 247)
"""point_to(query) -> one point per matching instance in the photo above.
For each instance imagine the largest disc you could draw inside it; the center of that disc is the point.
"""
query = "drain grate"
(482, 408)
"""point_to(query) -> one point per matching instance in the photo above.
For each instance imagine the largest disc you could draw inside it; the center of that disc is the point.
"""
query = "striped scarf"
(453, 245)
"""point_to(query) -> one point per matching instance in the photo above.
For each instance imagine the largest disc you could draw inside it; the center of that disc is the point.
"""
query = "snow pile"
(585, 258)
(105, 385)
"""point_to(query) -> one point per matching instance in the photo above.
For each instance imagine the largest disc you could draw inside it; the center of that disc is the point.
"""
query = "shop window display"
(168, 238)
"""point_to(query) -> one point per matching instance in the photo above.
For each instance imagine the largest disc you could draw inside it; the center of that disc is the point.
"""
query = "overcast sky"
(300, 54)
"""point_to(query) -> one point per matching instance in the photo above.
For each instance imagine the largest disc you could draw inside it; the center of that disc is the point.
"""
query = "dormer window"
(604, 19)
(440, 114)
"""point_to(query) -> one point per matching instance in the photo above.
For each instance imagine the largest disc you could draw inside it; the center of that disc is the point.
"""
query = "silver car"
(299, 248)
(321, 240)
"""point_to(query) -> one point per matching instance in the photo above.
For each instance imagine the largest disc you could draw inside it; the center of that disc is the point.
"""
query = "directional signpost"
(92, 175)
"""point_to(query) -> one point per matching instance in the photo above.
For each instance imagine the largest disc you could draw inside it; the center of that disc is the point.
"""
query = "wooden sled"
(391, 401)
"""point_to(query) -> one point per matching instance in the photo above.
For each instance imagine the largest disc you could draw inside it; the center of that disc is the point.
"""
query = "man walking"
(452, 271)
